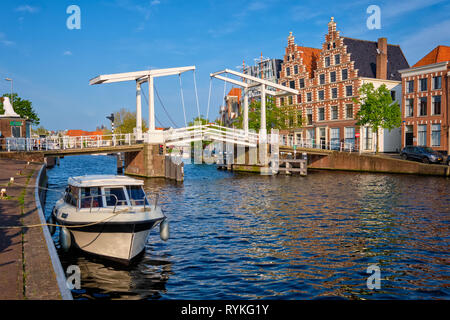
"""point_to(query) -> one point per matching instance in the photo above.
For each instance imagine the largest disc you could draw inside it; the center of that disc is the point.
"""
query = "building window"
(349, 111)
(435, 135)
(423, 84)
(334, 112)
(393, 95)
(309, 97)
(299, 98)
(367, 138)
(288, 71)
(290, 99)
(327, 61)
(344, 74)
(321, 114)
(334, 138)
(16, 131)
(337, 59)
(321, 95)
(410, 86)
(423, 106)
(299, 118)
(349, 136)
(296, 69)
(302, 83)
(322, 79)
(437, 82)
(436, 105)
(334, 93)
(309, 116)
(333, 76)
(348, 91)
(281, 101)
(292, 84)
(409, 107)
(422, 135)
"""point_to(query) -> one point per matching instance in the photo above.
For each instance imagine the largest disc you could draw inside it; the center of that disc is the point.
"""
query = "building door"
(409, 136)
(367, 138)
(322, 135)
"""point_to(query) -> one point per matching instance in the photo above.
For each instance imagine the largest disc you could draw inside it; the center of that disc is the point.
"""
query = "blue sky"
(52, 65)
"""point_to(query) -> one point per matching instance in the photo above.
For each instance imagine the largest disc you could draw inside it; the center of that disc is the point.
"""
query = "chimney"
(382, 59)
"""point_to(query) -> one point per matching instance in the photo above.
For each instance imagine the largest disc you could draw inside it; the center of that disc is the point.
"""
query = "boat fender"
(51, 222)
(164, 230)
(65, 239)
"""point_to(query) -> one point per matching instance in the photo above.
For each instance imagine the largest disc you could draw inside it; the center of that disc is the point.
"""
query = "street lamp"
(8, 79)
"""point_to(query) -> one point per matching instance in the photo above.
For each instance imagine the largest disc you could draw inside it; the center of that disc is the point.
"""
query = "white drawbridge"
(210, 132)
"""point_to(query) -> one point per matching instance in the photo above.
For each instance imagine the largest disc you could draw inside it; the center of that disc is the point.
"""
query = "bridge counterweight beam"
(138, 111)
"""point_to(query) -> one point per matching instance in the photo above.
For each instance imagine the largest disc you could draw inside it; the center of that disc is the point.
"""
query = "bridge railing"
(323, 145)
(66, 142)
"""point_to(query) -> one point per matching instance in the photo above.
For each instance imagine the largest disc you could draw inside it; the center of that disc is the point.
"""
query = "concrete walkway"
(26, 270)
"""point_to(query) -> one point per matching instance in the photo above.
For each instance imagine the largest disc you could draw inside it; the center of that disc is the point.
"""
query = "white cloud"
(4, 40)
(27, 8)
(67, 53)
(155, 2)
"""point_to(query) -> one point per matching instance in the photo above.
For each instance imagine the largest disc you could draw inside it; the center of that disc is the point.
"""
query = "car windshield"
(137, 196)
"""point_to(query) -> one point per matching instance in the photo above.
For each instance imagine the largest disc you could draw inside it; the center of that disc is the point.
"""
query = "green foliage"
(22, 107)
(196, 120)
(377, 108)
(125, 121)
(276, 118)
(40, 131)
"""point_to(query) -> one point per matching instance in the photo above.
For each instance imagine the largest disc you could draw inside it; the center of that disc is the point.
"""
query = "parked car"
(424, 154)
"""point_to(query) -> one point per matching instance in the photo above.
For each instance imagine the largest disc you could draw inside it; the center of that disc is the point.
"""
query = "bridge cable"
(157, 120)
(209, 99)
(165, 110)
(182, 100)
(196, 96)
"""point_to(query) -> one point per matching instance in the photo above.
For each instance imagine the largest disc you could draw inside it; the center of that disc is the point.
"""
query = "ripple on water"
(240, 236)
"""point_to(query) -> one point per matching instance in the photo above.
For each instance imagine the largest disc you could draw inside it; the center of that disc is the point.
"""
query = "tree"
(377, 109)
(22, 107)
(200, 119)
(41, 131)
(125, 121)
(276, 118)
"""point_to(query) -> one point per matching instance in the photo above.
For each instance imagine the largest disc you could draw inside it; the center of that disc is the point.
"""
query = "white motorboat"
(107, 215)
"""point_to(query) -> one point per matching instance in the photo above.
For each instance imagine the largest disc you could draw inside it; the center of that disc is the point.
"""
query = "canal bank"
(29, 265)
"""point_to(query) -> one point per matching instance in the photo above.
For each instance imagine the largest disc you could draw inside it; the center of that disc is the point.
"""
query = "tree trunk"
(377, 143)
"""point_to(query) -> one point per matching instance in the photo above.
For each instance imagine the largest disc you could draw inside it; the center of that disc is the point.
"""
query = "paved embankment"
(26, 265)
(374, 163)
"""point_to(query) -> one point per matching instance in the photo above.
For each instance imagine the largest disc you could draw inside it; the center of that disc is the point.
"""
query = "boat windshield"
(111, 194)
(91, 198)
(137, 196)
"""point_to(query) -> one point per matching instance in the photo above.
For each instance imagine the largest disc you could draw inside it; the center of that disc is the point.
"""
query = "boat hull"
(122, 241)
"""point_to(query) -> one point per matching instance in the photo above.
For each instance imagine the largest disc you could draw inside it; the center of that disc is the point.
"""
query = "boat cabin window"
(137, 196)
(71, 196)
(91, 198)
(112, 193)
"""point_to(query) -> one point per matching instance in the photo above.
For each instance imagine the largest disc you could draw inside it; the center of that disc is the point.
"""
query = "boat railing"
(92, 202)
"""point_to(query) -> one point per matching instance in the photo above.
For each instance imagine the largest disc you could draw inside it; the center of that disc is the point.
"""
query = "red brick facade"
(328, 80)
(425, 106)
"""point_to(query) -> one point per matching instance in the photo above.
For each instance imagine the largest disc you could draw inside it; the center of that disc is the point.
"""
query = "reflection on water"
(239, 236)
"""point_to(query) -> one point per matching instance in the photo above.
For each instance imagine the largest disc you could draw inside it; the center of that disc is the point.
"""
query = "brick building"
(425, 108)
(11, 124)
(232, 108)
(328, 79)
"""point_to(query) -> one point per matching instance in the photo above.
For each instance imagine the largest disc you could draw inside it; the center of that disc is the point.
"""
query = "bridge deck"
(109, 149)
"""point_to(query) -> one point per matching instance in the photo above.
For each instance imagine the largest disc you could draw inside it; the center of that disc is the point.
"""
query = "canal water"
(246, 236)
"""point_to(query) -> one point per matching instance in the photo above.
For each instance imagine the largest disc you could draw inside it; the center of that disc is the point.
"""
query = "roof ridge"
(389, 44)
